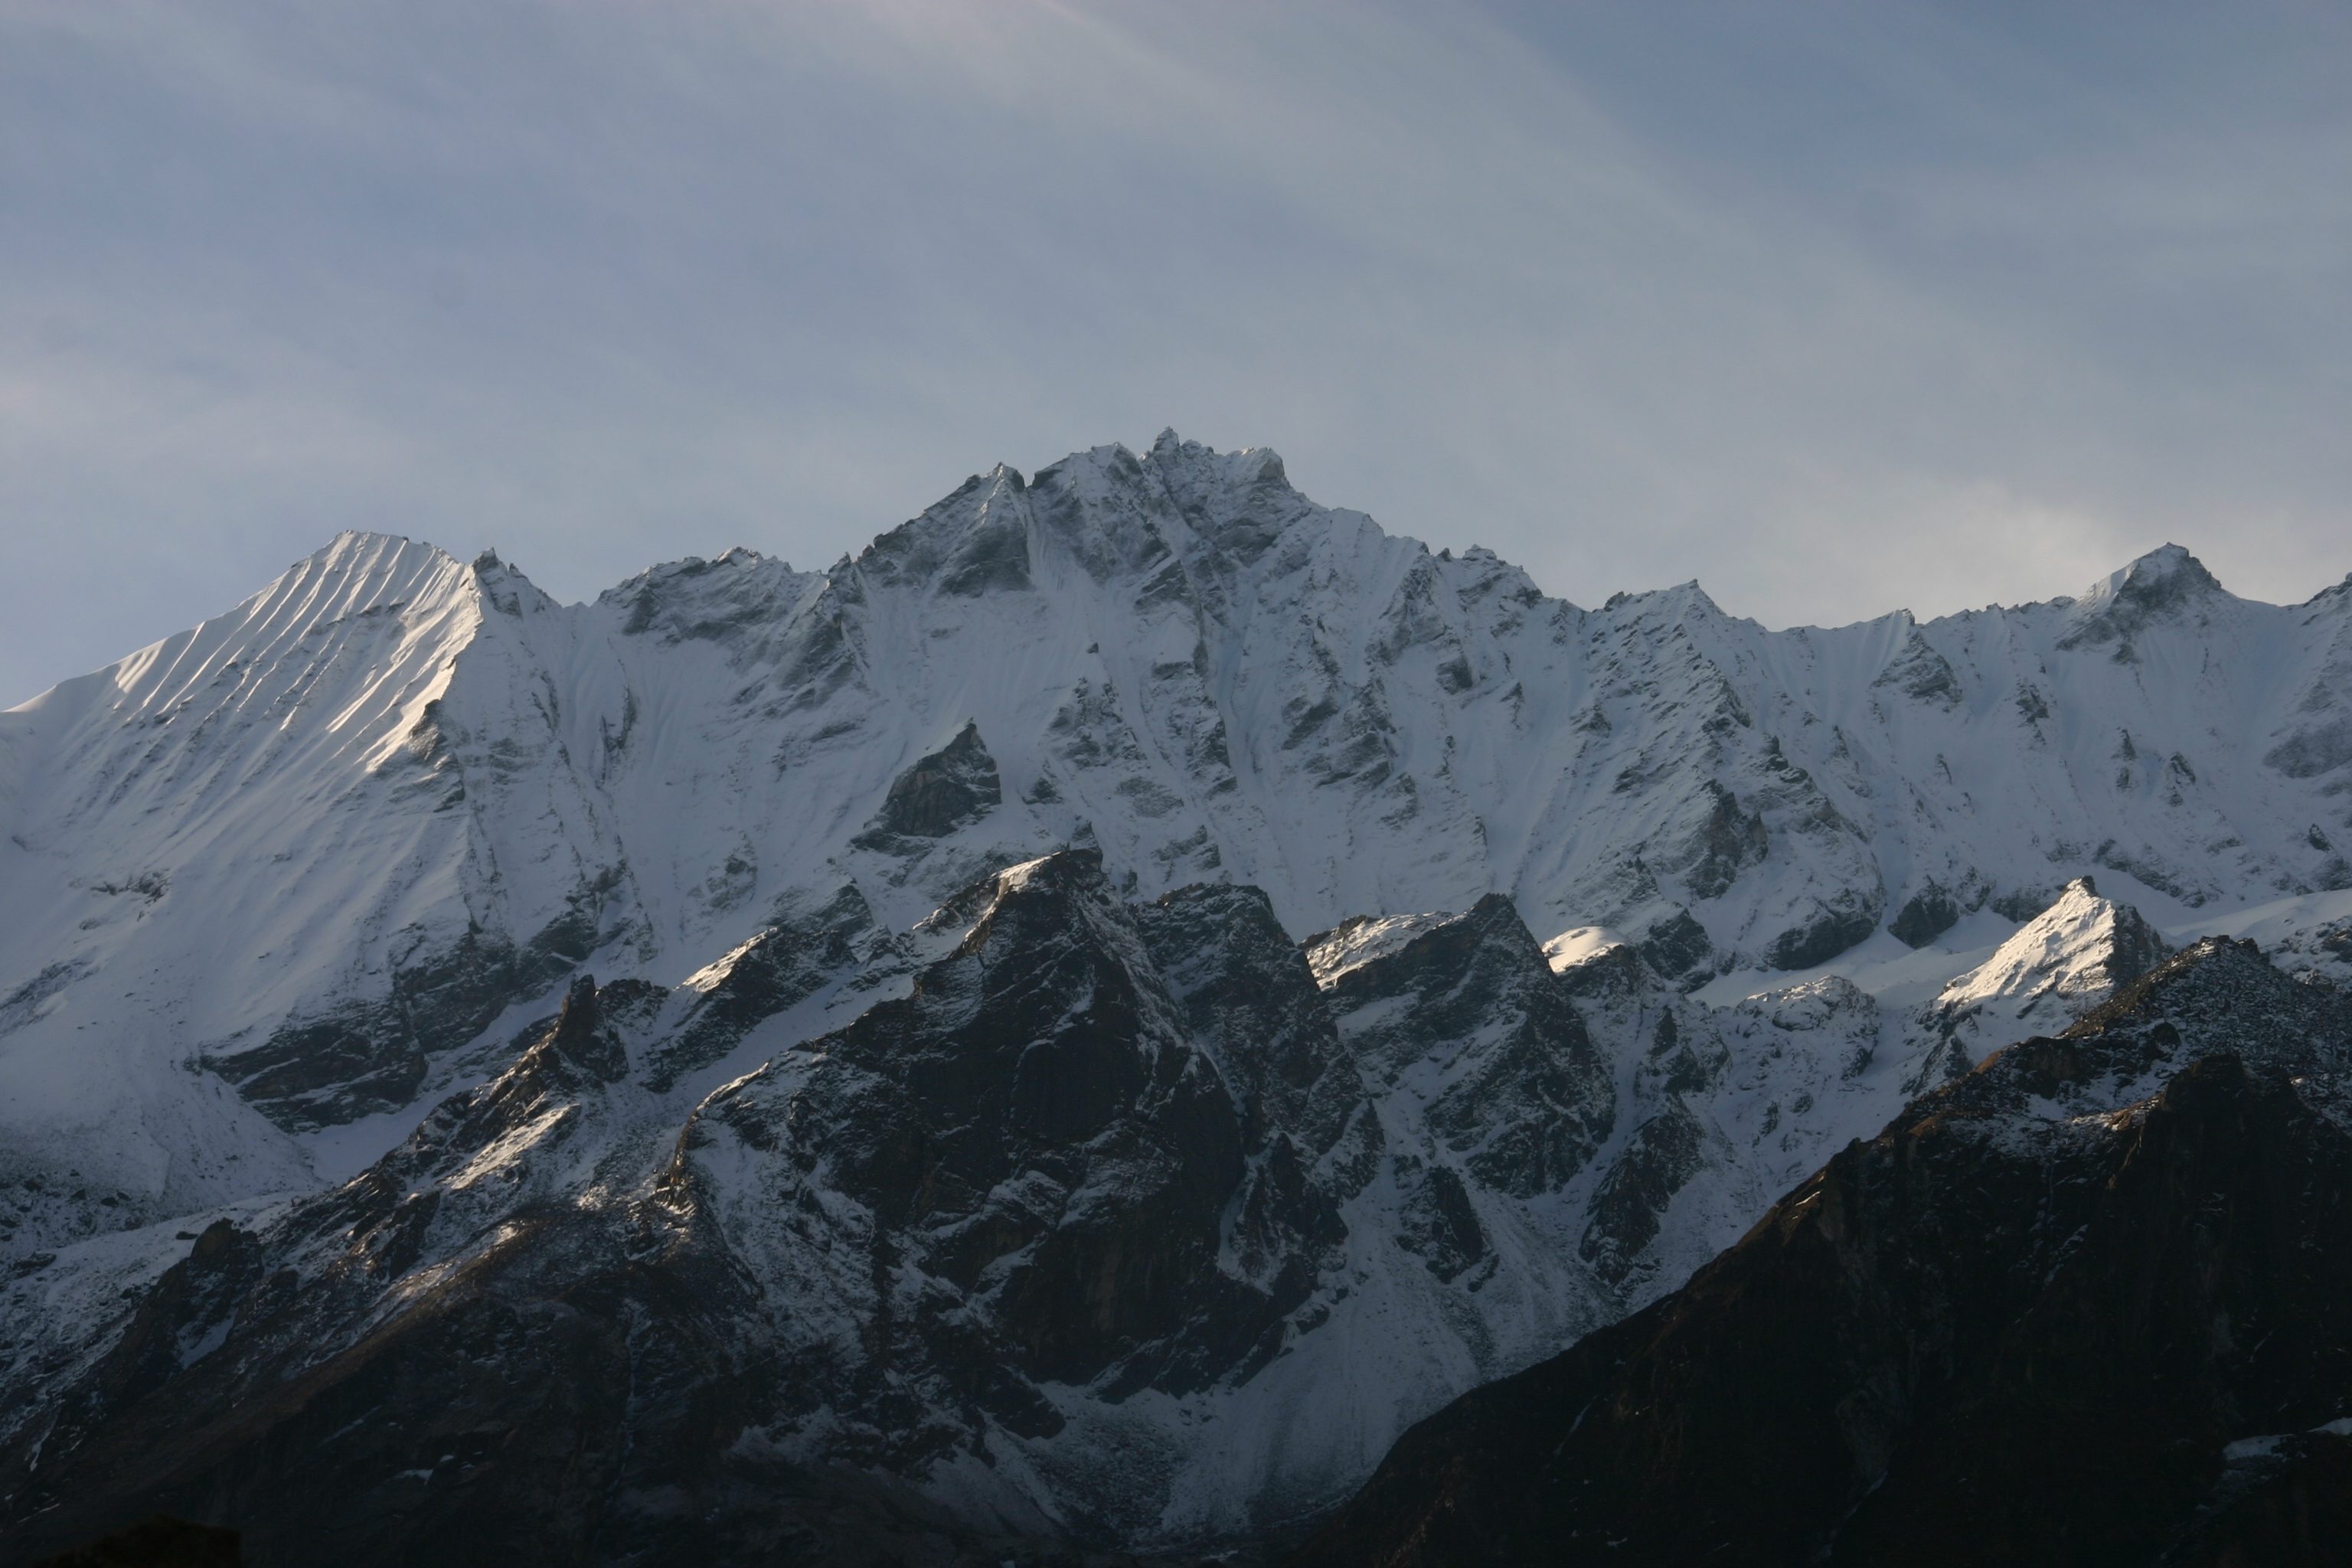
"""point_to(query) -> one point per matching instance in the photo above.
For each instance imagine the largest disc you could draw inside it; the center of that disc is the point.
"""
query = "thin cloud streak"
(603, 284)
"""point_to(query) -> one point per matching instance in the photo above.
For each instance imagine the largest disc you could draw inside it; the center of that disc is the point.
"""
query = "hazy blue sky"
(1835, 307)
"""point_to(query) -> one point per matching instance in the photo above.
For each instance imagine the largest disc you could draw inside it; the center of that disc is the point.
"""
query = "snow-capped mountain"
(1026, 1065)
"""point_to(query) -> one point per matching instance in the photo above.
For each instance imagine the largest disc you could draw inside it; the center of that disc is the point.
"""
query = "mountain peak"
(2066, 960)
(358, 550)
(2165, 576)
(1248, 465)
(1685, 601)
(2162, 584)
(2166, 568)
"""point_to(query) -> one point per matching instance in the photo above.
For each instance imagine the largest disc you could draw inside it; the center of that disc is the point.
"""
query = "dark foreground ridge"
(162, 1542)
(2040, 1318)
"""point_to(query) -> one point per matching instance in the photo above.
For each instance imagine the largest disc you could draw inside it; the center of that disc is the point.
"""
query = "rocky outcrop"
(1925, 916)
(1034, 1156)
(939, 794)
(778, 967)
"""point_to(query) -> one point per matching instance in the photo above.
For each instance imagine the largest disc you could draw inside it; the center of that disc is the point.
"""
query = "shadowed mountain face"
(2040, 1318)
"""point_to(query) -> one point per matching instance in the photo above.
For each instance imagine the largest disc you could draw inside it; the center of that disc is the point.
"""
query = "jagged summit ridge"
(1174, 657)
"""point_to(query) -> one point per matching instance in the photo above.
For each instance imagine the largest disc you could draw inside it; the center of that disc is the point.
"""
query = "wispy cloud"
(1851, 307)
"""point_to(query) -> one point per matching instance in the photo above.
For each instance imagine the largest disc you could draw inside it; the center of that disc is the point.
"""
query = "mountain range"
(1074, 1030)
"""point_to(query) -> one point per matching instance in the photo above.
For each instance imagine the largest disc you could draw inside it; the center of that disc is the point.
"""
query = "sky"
(1837, 308)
